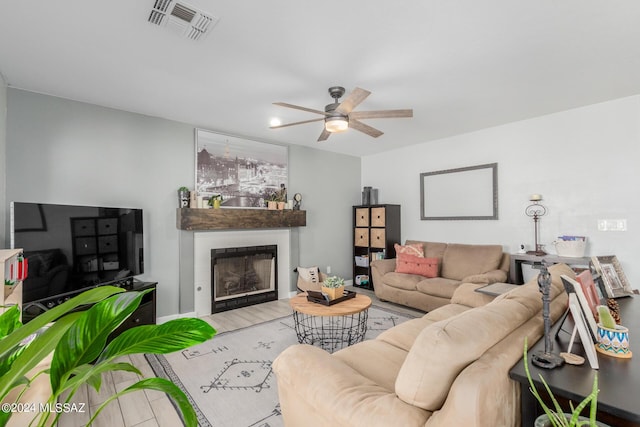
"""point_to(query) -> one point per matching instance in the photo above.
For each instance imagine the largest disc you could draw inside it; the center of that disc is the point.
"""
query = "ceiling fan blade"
(297, 107)
(358, 125)
(296, 123)
(324, 135)
(352, 100)
(381, 114)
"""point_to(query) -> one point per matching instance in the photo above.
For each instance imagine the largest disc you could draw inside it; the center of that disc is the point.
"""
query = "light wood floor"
(151, 408)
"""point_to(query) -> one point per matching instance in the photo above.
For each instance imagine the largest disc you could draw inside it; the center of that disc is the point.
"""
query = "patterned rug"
(229, 380)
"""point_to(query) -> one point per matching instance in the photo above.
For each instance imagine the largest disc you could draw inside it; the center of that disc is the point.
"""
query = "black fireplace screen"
(243, 276)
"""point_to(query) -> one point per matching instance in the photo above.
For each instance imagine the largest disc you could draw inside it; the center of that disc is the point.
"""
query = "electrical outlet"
(328, 269)
(612, 225)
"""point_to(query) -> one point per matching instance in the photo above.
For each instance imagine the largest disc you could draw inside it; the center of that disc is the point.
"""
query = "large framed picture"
(244, 172)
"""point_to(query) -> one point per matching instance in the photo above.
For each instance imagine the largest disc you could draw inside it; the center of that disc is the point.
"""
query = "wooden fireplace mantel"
(238, 219)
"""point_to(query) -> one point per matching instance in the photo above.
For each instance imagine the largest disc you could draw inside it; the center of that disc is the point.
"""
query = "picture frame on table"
(590, 290)
(613, 277)
(573, 287)
(601, 289)
(581, 326)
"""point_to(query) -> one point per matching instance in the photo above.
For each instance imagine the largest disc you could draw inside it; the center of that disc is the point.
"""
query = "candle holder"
(536, 211)
(545, 358)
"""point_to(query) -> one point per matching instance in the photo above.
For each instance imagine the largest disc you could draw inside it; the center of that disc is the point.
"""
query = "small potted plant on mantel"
(272, 201)
(215, 201)
(183, 197)
(333, 286)
(275, 201)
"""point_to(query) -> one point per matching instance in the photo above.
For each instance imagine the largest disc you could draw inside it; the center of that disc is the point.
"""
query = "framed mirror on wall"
(468, 193)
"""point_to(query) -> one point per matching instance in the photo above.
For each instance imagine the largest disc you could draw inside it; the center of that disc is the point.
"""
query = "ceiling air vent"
(182, 18)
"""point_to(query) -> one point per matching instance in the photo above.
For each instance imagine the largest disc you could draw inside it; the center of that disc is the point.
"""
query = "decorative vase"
(216, 204)
(333, 292)
(614, 342)
(272, 205)
(183, 198)
(281, 205)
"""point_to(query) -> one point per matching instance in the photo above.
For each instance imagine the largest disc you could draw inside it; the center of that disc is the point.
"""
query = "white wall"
(583, 161)
(3, 152)
(68, 152)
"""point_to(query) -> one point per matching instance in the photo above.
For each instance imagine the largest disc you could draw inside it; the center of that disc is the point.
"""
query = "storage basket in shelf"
(570, 248)
(362, 261)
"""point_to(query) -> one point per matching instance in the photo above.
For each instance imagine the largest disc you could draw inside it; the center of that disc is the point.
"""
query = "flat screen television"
(70, 248)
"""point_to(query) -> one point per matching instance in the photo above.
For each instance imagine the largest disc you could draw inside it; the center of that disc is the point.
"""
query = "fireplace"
(243, 276)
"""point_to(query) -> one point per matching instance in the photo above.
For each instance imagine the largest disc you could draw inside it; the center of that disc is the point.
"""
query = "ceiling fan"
(339, 116)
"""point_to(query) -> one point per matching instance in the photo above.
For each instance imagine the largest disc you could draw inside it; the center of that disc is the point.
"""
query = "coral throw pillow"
(427, 267)
(415, 249)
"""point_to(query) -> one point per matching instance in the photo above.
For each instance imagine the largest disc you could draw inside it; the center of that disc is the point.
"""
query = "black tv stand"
(145, 314)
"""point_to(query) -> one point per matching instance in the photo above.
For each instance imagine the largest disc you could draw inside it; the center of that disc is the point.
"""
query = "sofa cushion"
(438, 286)
(404, 335)
(431, 249)
(460, 261)
(367, 357)
(415, 249)
(424, 379)
(466, 294)
(411, 264)
(404, 281)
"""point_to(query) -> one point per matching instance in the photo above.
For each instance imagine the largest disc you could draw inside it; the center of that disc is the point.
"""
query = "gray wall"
(68, 152)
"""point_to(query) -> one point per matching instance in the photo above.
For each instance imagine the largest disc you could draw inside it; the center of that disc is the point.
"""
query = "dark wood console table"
(515, 269)
(618, 379)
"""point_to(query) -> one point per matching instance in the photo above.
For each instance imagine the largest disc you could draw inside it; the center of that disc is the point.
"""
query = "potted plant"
(333, 286)
(215, 201)
(613, 339)
(183, 197)
(78, 341)
(556, 417)
(272, 201)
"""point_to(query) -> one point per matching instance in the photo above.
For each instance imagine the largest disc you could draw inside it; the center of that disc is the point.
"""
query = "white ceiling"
(461, 65)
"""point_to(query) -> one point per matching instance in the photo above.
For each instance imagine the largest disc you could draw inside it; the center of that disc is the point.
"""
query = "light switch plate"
(612, 225)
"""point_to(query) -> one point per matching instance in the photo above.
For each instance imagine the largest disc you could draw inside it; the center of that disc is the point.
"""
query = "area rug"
(229, 380)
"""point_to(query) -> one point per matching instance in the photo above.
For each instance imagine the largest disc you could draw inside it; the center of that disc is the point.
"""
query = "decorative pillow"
(415, 249)
(309, 274)
(427, 267)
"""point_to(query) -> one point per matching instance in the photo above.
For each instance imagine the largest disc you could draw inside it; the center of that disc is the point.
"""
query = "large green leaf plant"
(77, 336)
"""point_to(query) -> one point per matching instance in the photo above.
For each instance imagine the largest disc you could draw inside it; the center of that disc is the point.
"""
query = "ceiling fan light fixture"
(336, 124)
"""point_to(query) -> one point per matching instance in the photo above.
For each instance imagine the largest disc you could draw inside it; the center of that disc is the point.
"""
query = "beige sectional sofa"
(458, 264)
(447, 368)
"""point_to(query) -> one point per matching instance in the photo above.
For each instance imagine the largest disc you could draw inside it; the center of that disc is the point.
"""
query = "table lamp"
(535, 211)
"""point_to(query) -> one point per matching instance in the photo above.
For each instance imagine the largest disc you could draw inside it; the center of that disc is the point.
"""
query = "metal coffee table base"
(330, 333)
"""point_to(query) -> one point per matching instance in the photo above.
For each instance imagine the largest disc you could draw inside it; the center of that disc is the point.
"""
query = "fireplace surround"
(205, 241)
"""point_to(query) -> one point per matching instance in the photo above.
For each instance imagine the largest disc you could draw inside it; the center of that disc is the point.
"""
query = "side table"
(515, 268)
(331, 327)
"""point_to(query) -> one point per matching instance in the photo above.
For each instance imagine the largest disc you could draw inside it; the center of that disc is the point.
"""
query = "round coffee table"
(331, 327)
